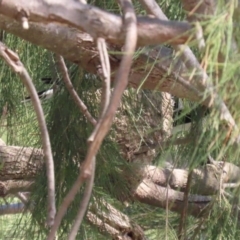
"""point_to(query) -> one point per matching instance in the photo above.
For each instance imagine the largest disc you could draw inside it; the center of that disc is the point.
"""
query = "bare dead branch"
(22, 197)
(182, 224)
(27, 163)
(15, 186)
(113, 222)
(82, 107)
(146, 194)
(102, 225)
(64, 206)
(149, 193)
(64, 41)
(16, 65)
(97, 22)
(106, 73)
(84, 204)
(121, 83)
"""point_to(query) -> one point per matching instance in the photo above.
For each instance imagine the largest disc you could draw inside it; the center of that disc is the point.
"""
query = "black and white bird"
(48, 93)
(183, 122)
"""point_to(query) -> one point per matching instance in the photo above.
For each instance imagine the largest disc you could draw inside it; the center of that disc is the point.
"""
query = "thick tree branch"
(15, 186)
(96, 22)
(27, 163)
(149, 193)
(65, 41)
(152, 190)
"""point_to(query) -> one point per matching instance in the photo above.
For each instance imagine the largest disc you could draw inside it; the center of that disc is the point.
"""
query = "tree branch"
(64, 41)
(16, 65)
(96, 22)
(82, 107)
(84, 204)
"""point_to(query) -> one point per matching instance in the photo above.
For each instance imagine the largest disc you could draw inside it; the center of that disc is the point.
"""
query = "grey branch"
(16, 65)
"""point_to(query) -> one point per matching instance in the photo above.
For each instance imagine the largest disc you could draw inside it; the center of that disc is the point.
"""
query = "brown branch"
(15, 186)
(105, 73)
(156, 176)
(16, 65)
(22, 197)
(121, 83)
(82, 107)
(65, 41)
(84, 204)
(97, 22)
(103, 227)
(149, 193)
(27, 163)
(182, 224)
(64, 206)
(110, 221)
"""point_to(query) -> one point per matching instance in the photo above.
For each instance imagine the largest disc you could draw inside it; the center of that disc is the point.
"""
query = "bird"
(48, 93)
(182, 120)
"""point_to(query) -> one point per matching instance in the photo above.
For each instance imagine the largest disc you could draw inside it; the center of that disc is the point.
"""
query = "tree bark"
(80, 48)
(20, 167)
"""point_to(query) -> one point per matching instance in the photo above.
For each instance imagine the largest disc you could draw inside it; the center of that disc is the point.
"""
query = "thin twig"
(22, 197)
(82, 107)
(84, 204)
(64, 206)
(121, 83)
(185, 207)
(17, 66)
(105, 73)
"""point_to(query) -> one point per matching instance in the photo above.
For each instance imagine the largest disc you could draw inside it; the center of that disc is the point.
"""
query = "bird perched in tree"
(48, 93)
(183, 121)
